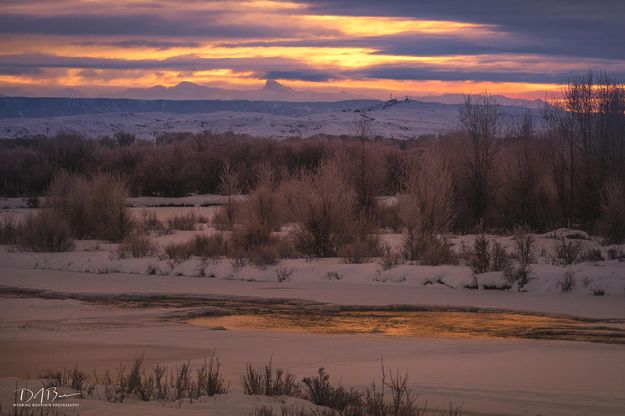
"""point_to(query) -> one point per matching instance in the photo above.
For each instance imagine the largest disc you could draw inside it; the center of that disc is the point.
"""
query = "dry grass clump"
(147, 222)
(322, 393)
(394, 398)
(269, 382)
(137, 245)
(159, 383)
(186, 222)
(292, 411)
(201, 245)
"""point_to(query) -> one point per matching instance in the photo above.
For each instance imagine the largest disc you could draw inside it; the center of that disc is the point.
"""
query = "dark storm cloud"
(286, 66)
(198, 24)
(130, 44)
(582, 28)
(314, 76)
(424, 73)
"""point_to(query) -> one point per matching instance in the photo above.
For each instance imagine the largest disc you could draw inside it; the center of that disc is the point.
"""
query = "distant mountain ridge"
(271, 91)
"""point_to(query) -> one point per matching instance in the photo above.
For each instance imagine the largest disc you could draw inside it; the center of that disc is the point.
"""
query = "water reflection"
(422, 324)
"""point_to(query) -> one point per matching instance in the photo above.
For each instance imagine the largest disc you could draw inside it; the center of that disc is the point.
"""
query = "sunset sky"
(519, 48)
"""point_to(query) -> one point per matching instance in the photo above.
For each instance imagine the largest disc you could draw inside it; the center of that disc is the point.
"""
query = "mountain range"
(271, 91)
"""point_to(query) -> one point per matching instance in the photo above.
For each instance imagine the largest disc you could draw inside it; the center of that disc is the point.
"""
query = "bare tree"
(426, 207)
(363, 125)
(587, 137)
(479, 116)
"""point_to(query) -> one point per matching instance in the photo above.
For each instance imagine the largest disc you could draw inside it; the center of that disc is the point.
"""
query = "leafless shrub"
(359, 252)
(134, 382)
(524, 255)
(116, 391)
(80, 381)
(263, 255)
(176, 253)
(567, 252)
(499, 257)
(45, 231)
(616, 254)
(182, 384)
(322, 393)
(186, 222)
(322, 204)
(567, 282)
(94, 208)
(209, 378)
(269, 382)
(9, 231)
(262, 411)
(480, 256)
(426, 207)
(438, 250)
(284, 273)
(388, 217)
(591, 255)
(137, 245)
(146, 222)
(479, 116)
(402, 401)
(200, 245)
(54, 378)
(333, 276)
(225, 218)
(390, 258)
(453, 410)
(611, 223)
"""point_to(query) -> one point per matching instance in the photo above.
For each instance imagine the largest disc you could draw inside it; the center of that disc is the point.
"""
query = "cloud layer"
(409, 46)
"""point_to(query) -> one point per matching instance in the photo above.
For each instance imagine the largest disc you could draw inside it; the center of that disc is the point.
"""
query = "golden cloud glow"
(384, 26)
(287, 37)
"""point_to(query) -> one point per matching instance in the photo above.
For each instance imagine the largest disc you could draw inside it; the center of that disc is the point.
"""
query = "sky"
(527, 48)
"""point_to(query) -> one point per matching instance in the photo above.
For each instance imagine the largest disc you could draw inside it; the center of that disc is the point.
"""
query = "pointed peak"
(273, 85)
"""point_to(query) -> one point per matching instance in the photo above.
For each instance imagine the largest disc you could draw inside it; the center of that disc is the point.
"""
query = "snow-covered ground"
(503, 376)
(400, 120)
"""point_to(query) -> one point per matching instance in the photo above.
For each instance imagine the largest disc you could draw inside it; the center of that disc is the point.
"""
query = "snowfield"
(55, 314)
(394, 119)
